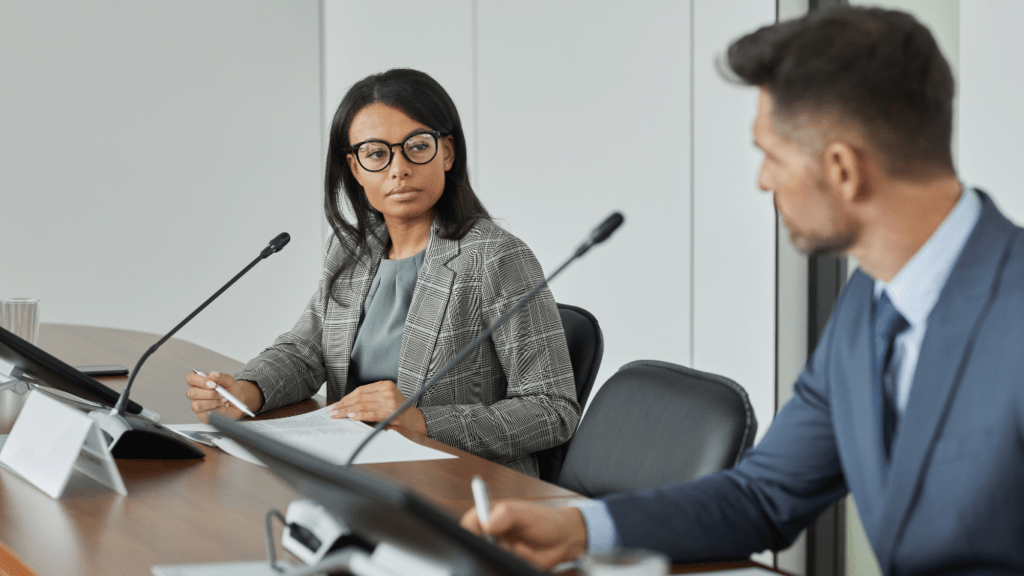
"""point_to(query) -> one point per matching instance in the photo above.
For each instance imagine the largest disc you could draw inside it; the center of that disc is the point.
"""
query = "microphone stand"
(600, 234)
(132, 436)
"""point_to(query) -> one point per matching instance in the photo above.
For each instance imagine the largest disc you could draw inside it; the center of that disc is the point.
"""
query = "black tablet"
(44, 368)
(376, 509)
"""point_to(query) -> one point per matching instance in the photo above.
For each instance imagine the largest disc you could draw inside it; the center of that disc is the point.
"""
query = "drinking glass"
(21, 317)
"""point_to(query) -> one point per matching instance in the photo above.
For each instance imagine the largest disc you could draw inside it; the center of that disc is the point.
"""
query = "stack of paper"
(332, 439)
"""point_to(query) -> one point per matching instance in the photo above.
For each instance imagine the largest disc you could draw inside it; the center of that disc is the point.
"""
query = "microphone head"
(276, 244)
(602, 232)
(280, 241)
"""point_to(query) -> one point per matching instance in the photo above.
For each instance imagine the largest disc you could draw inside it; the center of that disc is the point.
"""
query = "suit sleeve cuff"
(601, 533)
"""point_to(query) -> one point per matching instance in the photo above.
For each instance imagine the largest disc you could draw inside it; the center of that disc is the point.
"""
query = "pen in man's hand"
(482, 500)
(228, 396)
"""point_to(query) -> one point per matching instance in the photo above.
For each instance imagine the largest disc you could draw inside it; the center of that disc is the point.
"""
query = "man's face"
(814, 215)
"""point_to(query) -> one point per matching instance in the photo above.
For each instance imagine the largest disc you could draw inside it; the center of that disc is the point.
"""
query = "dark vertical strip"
(826, 276)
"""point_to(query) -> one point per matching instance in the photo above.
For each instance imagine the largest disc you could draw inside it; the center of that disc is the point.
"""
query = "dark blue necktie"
(888, 323)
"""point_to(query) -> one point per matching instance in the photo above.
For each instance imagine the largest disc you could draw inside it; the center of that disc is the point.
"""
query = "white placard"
(51, 440)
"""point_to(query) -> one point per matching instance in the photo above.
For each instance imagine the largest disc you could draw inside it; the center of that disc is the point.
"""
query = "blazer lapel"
(867, 404)
(426, 313)
(350, 291)
(947, 346)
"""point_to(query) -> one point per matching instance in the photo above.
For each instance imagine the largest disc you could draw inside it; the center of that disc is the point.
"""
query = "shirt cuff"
(601, 534)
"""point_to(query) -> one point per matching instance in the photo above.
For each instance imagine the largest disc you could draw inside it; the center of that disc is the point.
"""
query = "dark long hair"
(424, 100)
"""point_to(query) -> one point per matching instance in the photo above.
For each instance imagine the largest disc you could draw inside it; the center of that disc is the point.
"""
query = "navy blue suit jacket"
(952, 500)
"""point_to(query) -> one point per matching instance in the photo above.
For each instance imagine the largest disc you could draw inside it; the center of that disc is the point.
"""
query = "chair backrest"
(586, 348)
(656, 423)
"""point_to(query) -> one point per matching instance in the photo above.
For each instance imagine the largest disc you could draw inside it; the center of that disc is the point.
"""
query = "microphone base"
(132, 437)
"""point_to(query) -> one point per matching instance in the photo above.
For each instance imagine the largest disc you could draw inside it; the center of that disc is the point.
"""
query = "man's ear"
(844, 170)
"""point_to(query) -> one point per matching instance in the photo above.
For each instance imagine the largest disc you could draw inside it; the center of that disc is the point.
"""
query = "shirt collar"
(916, 287)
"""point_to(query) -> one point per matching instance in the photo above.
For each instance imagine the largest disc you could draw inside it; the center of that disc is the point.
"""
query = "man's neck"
(901, 218)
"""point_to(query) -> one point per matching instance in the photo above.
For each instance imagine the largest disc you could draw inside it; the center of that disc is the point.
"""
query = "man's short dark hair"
(879, 71)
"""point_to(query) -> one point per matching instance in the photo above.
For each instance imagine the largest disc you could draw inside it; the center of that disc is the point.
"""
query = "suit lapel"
(426, 313)
(350, 291)
(866, 401)
(947, 346)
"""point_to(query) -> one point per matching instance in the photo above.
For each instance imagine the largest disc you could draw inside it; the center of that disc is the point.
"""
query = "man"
(913, 400)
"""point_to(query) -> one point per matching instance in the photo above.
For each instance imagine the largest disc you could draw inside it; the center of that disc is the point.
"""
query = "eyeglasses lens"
(418, 148)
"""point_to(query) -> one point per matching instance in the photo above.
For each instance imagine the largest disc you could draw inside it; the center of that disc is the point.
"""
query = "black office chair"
(586, 348)
(656, 423)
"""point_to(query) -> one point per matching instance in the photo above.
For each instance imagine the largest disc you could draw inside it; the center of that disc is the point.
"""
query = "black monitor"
(43, 368)
(376, 509)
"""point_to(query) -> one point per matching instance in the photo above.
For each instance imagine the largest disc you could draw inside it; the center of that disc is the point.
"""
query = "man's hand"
(375, 402)
(542, 535)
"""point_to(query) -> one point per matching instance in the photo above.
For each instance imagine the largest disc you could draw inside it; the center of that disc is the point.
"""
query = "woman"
(417, 276)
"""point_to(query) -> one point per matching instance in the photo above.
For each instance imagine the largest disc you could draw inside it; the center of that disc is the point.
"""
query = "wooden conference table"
(207, 510)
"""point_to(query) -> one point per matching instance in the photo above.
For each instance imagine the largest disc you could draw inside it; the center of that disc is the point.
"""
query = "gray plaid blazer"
(512, 396)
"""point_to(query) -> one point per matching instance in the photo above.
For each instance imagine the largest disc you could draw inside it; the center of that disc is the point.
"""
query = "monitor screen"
(377, 509)
(44, 368)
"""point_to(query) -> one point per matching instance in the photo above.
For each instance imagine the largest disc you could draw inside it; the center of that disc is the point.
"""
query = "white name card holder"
(50, 441)
(10, 382)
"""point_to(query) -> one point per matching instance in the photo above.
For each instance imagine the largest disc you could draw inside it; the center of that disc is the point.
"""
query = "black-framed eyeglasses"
(376, 155)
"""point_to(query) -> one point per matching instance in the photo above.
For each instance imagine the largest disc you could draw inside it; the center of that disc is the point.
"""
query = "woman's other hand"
(375, 402)
(204, 397)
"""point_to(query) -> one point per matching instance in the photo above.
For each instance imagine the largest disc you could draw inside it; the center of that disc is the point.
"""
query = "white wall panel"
(992, 100)
(733, 222)
(585, 109)
(149, 151)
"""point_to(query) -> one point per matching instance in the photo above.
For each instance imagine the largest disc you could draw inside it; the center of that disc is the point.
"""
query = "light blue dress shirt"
(916, 287)
(914, 291)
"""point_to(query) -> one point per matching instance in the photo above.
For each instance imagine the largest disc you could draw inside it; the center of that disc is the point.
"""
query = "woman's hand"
(375, 402)
(205, 398)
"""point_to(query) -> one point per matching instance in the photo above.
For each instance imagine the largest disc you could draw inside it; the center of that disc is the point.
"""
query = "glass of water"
(21, 317)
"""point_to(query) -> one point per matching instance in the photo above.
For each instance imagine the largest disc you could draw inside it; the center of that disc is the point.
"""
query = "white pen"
(228, 396)
(482, 500)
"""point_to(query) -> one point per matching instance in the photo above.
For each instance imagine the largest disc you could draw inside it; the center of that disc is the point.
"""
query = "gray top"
(379, 338)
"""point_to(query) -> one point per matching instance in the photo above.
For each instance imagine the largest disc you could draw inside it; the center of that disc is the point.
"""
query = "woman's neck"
(408, 237)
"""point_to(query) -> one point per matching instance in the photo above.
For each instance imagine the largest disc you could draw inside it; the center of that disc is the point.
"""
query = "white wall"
(733, 221)
(150, 150)
(992, 100)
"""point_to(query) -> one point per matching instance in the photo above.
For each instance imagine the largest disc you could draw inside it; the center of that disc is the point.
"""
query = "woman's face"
(403, 192)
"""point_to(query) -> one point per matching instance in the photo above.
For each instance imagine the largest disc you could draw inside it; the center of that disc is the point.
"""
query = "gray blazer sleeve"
(517, 395)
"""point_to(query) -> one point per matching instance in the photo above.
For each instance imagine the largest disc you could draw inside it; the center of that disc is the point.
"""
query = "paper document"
(332, 439)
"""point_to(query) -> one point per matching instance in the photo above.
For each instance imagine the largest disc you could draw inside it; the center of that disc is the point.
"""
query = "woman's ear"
(448, 145)
(353, 165)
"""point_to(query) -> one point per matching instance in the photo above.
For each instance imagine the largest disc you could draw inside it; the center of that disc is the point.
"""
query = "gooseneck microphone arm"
(275, 245)
(600, 234)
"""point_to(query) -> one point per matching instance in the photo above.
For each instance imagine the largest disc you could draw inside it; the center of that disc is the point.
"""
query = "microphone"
(135, 437)
(275, 246)
(600, 234)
